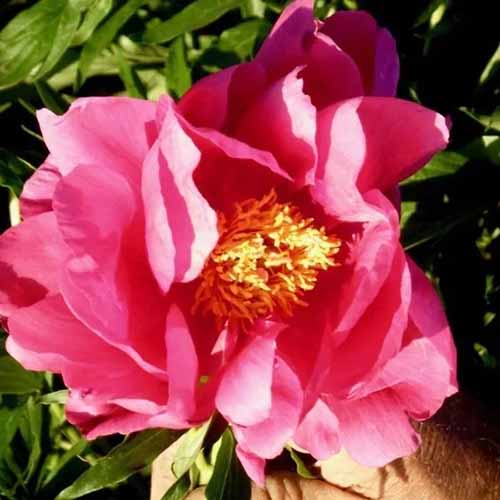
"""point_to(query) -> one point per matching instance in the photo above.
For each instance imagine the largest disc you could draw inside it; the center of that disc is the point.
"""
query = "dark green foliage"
(52, 51)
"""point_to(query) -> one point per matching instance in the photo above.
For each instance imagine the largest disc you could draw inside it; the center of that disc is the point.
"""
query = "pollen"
(267, 258)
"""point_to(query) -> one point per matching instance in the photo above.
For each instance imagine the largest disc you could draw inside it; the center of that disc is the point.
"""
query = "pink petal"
(373, 258)
(113, 419)
(226, 342)
(251, 369)
(206, 103)
(267, 438)
(93, 206)
(386, 75)
(419, 376)
(254, 466)
(231, 170)
(373, 49)
(205, 138)
(38, 190)
(290, 130)
(96, 212)
(330, 74)
(113, 132)
(46, 336)
(427, 313)
(377, 141)
(285, 47)
(375, 430)
(181, 228)
(217, 100)
(370, 253)
(31, 256)
(51, 338)
(378, 334)
(318, 432)
(182, 365)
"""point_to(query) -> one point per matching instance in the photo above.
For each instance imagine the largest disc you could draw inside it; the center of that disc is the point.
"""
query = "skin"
(459, 460)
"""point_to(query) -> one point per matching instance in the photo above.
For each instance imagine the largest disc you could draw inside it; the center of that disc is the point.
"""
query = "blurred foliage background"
(52, 51)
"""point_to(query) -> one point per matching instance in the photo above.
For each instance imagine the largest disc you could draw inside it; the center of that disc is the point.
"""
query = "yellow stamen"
(267, 257)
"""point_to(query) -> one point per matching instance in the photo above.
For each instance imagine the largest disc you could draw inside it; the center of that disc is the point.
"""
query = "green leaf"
(194, 16)
(40, 34)
(179, 489)
(64, 26)
(491, 67)
(5, 106)
(130, 79)
(14, 379)
(488, 360)
(408, 208)
(125, 460)
(242, 38)
(177, 70)
(190, 445)
(13, 172)
(51, 98)
(445, 163)
(432, 14)
(486, 147)
(301, 467)
(74, 451)
(228, 480)
(488, 121)
(437, 229)
(253, 8)
(103, 36)
(57, 397)
(96, 13)
(9, 422)
(34, 442)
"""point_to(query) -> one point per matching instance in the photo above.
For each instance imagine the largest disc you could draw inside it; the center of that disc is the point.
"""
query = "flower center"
(267, 257)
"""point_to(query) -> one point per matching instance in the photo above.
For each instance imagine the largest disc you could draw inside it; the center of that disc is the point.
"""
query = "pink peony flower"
(239, 252)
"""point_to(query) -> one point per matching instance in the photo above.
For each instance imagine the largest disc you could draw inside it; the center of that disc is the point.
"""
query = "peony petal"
(267, 438)
(251, 369)
(50, 338)
(318, 432)
(181, 228)
(182, 365)
(254, 466)
(46, 336)
(378, 334)
(372, 258)
(113, 132)
(231, 170)
(386, 75)
(373, 49)
(217, 100)
(38, 190)
(233, 148)
(408, 375)
(375, 430)
(101, 275)
(31, 256)
(285, 47)
(114, 419)
(370, 253)
(105, 423)
(376, 142)
(93, 207)
(427, 313)
(290, 129)
(206, 102)
(330, 74)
